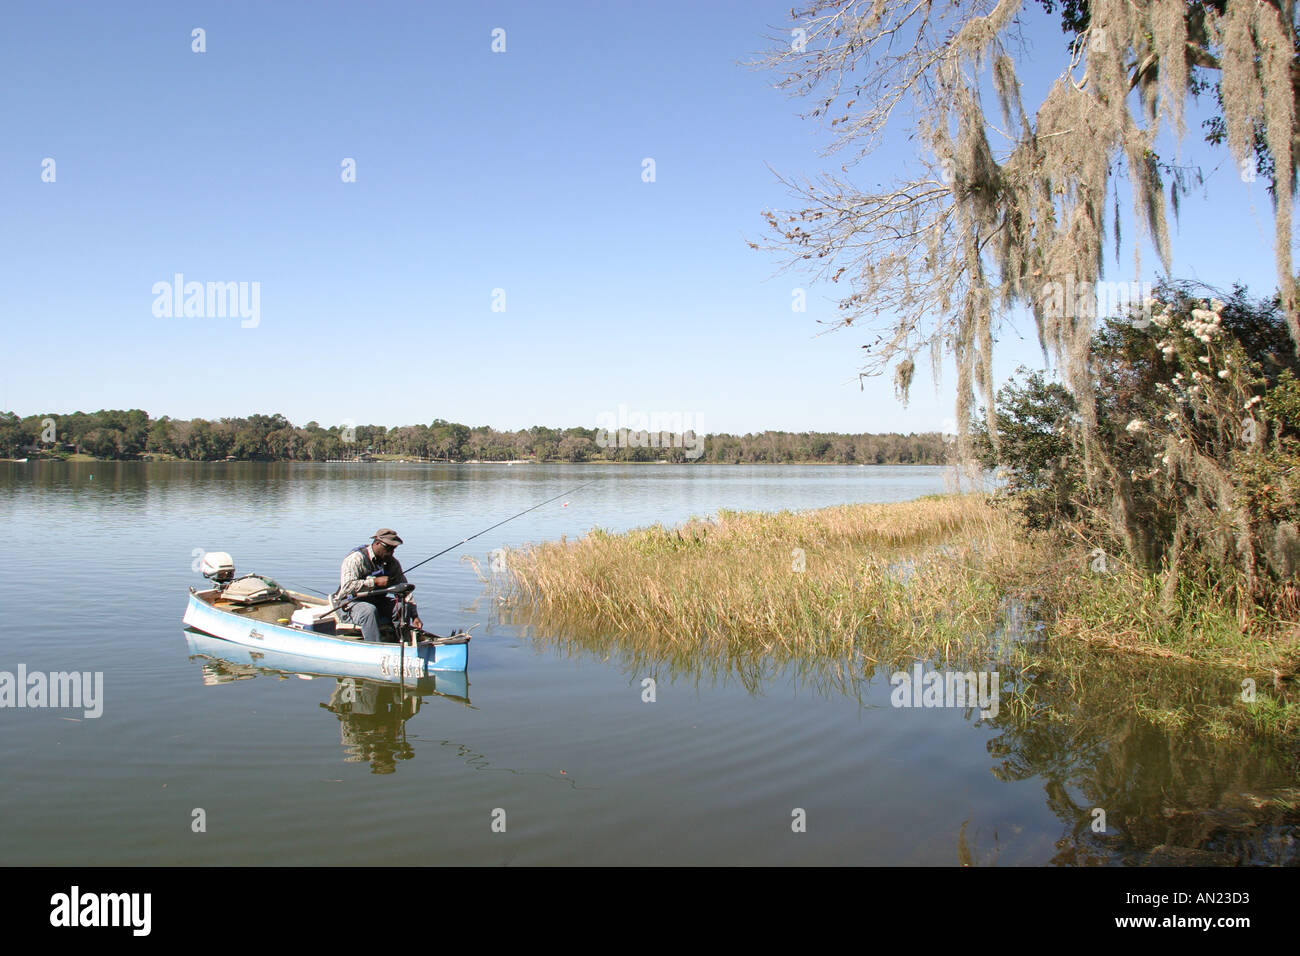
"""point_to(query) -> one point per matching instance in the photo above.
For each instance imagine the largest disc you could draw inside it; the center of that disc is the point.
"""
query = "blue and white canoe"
(224, 663)
(298, 625)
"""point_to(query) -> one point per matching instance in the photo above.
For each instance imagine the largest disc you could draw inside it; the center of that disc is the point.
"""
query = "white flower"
(1136, 425)
(1216, 305)
(1253, 401)
(1203, 358)
(1223, 373)
(1203, 324)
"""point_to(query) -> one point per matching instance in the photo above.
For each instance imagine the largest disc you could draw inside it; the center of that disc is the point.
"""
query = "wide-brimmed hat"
(388, 536)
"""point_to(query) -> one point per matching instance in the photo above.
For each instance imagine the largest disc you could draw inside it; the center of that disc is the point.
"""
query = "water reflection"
(685, 661)
(1144, 762)
(1149, 763)
(372, 716)
(372, 722)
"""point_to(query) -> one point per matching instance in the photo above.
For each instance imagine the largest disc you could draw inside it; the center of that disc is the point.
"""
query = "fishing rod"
(497, 525)
(484, 531)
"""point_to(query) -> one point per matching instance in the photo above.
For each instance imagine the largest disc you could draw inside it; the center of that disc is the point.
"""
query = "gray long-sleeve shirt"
(360, 568)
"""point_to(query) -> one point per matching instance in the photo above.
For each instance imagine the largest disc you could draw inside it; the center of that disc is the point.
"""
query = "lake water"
(553, 741)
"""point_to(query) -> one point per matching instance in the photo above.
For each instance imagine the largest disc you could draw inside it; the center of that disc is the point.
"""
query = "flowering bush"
(1193, 467)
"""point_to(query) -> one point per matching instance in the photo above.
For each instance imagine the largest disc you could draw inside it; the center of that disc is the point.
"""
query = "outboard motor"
(218, 567)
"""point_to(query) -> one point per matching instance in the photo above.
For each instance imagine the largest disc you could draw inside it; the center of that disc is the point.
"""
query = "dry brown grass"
(917, 578)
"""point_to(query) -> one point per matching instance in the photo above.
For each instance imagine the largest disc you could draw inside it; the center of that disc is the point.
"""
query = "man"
(367, 568)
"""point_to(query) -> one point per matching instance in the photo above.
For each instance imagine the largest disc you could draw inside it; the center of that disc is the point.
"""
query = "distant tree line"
(131, 434)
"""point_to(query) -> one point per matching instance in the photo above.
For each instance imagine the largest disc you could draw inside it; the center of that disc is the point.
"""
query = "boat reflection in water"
(372, 715)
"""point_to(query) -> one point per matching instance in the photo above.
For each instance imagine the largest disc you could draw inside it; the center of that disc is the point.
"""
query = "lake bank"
(934, 579)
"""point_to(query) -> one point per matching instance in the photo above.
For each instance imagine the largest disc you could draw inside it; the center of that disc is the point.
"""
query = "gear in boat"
(260, 598)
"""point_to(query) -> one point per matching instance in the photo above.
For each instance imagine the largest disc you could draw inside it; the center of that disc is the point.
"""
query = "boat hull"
(378, 661)
(443, 683)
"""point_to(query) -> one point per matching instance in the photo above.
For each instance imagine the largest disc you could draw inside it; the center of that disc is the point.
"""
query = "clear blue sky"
(475, 171)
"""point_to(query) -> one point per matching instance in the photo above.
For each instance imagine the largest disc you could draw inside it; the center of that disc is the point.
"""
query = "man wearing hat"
(366, 568)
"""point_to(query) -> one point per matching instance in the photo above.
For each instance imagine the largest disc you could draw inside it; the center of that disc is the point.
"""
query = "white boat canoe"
(292, 625)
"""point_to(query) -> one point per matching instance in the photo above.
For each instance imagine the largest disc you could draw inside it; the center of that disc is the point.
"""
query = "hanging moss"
(940, 259)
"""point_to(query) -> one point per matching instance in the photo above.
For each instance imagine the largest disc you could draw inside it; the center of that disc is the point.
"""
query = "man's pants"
(367, 617)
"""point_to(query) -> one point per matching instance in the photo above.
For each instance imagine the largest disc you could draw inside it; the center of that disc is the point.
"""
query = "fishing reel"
(400, 613)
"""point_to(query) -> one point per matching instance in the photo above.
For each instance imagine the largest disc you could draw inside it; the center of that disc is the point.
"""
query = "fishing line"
(473, 536)
(497, 525)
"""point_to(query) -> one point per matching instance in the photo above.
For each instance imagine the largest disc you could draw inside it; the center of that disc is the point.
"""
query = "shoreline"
(949, 578)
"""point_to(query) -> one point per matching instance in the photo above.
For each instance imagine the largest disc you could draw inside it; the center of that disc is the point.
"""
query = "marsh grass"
(929, 575)
(844, 592)
(1064, 679)
(1124, 610)
(920, 579)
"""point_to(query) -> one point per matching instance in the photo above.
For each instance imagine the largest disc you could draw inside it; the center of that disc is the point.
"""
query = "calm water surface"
(551, 738)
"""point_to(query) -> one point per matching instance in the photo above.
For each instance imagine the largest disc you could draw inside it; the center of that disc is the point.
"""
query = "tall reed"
(905, 580)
